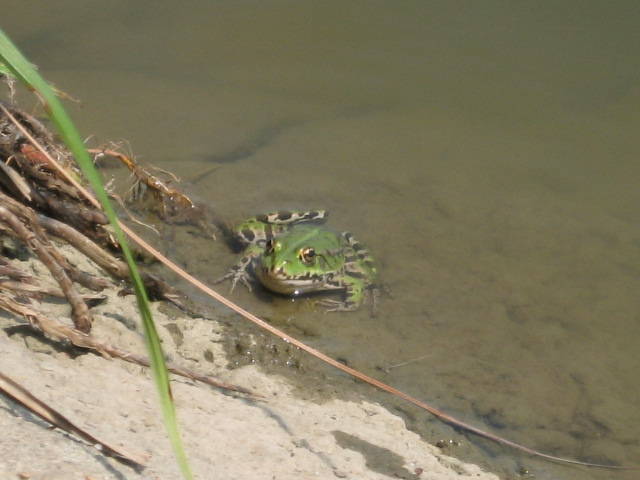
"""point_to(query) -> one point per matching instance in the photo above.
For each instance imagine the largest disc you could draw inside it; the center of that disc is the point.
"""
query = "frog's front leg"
(240, 271)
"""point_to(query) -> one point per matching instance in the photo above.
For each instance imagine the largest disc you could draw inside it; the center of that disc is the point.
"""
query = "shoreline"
(225, 436)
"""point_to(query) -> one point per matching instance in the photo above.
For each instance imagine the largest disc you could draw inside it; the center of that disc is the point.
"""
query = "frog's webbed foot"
(236, 276)
(238, 273)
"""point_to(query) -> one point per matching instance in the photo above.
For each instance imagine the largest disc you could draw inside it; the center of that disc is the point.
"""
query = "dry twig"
(36, 406)
(79, 310)
(59, 332)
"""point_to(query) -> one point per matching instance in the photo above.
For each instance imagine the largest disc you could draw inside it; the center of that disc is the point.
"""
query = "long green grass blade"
(18, 66)
(4, 70)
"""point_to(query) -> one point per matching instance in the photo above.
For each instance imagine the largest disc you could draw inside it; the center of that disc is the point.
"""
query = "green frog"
(291, 254)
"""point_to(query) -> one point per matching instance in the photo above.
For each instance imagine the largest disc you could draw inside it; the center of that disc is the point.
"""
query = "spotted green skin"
(290, 254)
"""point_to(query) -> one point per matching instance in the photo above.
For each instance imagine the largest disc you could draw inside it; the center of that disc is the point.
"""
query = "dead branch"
(82, 243)
(36, 406)
(170, 197)
(39, 291)
(13, 273)
(35, 291)
(52, 188)
(31, 177)
(60, 332)
(156, 287)
(170, 204)
(79, 310)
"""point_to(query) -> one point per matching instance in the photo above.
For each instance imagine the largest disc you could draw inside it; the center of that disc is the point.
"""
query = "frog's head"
(300, 261)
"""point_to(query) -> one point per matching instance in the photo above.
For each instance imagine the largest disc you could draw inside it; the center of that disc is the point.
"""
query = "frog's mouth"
(277, 280)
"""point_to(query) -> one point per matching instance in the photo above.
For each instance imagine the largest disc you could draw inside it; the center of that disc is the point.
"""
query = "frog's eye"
(307, 255)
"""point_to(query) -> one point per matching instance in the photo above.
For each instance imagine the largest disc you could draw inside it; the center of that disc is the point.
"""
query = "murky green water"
(486, 152)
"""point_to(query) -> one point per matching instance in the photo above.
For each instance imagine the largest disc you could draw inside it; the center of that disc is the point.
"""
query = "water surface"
(486, 152)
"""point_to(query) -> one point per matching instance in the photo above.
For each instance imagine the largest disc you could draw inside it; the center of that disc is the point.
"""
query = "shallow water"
(485, 152)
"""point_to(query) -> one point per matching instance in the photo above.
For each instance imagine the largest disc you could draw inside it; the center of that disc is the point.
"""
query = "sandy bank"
(227, 437)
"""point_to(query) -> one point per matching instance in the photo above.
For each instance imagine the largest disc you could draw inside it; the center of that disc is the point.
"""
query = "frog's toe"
(224, 277)
(242, 278)
(236, 276)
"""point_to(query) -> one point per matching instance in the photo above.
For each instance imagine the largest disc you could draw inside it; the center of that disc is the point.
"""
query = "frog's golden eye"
(307, 255)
